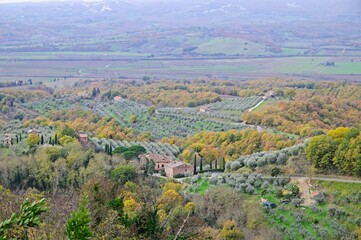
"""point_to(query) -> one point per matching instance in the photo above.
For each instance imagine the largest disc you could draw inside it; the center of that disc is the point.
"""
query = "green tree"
(230, 231)
(275, 172)
(32, 140)
(120, 150)
(201, 165)
(133, 119)
(124, 173)
(78, 225)
(110, 150)
(56, 139)
(68, 131)
(150, 167)
(321, 151)
(16, 227)
(151, 110)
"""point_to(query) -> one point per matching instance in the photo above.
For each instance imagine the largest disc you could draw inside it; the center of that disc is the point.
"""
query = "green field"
(231, 46)
(43, 67)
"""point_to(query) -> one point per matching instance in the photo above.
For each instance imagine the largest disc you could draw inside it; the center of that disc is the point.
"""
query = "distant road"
(329, 179)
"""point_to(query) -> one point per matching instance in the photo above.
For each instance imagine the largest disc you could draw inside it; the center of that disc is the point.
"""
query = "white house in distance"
(118, 99)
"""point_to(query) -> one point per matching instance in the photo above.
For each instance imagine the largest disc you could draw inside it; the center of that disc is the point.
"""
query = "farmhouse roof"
(83, 135)
(157, 158)
(176, 164)
(118, 98)
(33, 130)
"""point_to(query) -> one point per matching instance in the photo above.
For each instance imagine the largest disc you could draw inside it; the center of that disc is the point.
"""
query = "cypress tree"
(195, 164)
(210, 163)
(50, 140)
(56, 139)
(106, 148)
(215, 164)
(17, 139)
(20, 137)
(42, 140)
(201, 165)
(224, 164)
(110, 150)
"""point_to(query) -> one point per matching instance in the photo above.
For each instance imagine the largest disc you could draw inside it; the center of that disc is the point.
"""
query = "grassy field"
(231, 46)
(95, 65)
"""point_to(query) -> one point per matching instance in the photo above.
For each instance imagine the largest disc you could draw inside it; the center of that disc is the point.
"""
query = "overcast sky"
(17, 1)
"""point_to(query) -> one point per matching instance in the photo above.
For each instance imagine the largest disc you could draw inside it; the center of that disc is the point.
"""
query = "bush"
(179, 175)
(297, 202)
(271, 158)
(124, 173)
(213, 180)
(207, 175)
(320, 198)
(261, 162)
(228, 165)
(282, 158)
(250, 189)
(235, 166)
(265, 185)
(251, 163)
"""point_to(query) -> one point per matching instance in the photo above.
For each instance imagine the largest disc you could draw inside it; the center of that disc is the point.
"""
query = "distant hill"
(41, 24)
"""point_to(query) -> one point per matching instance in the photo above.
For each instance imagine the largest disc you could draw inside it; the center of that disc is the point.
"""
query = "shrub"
(124, 173)
(207, 175)
(320, 198)
(179, 175)
(228, 165)
(282, 158)
(265, 185)
(297, 202)
(261, 162)
(271, 158)
(235, 166)
(251, 163)
(213, 180)
(250, 189)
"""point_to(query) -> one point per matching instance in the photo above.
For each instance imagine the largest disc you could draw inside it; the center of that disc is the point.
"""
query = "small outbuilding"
(8, 141)
(34, 131)
(118, 99)
(83, 138)
(269, 204)
(178, 168)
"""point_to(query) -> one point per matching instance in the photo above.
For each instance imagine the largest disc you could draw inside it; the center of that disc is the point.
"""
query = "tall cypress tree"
(107, 148)
(201, 165)
(210, 163)
(110, 150)
(195, 164)
(42, 140)
(56, 139)
(224, 164)
(215, 164)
